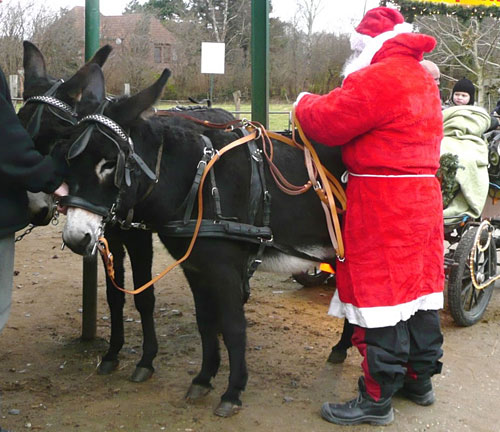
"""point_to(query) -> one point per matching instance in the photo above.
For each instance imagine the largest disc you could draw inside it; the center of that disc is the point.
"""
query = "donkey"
(112, 159)
(50, 117)
(50, 107)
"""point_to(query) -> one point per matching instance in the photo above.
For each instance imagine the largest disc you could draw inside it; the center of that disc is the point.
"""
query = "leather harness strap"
(169, 113)
(237, 230)
(104, 250)
(332, 218)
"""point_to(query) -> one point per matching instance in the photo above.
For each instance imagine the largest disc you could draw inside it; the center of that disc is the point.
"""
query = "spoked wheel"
(467, 304)
(312, 277)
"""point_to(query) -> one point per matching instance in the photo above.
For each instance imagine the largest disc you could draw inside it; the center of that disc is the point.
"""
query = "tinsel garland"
(411, 9)
(447, 173)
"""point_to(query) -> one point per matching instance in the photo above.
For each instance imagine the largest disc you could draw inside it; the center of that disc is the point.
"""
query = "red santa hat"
(379, 20)
(377, 26)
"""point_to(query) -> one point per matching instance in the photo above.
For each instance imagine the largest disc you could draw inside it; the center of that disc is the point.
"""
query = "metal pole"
(89, 280)
(260, 61)
(211, 94)
(89, 297)
(92, 24)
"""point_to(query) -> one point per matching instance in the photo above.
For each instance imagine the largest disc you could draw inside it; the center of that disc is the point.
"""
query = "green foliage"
(170, 92)
(447, 173)
(411, 9)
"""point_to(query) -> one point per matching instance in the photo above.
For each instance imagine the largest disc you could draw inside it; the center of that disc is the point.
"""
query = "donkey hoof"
(197, 391)
(141, 374)
(337, 356)
(227, 409)
(107, 366)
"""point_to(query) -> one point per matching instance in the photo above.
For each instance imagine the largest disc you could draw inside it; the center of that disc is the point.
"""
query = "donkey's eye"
(104, 169)
(108, 165)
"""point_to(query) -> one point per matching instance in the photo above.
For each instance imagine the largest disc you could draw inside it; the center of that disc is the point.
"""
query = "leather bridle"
(127, 160)
(57, 107)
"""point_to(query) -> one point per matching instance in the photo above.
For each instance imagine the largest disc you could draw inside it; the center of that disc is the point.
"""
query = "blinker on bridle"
(47, 99)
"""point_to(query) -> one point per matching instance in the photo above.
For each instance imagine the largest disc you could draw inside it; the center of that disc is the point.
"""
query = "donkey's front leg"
(116, 302)
(140, 248)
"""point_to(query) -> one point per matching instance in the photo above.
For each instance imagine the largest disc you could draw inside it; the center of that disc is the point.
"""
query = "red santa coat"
(387, 117)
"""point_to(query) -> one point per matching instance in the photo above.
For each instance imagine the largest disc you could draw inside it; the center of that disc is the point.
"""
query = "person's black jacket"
(496, 110)
(22, 167)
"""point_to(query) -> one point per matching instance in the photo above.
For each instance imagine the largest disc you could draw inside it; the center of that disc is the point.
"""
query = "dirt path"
(48, 377)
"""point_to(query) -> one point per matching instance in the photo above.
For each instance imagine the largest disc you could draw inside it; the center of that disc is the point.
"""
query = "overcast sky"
(335, 15)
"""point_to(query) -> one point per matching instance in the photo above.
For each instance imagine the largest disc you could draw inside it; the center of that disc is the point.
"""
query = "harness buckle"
(207, 151)
(266, 241)
(317, 186)
(344, 177)
(257, 155)
(259, 131)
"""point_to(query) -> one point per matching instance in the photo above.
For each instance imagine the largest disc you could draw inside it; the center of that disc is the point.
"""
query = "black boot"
(419, 391)
(363, 409)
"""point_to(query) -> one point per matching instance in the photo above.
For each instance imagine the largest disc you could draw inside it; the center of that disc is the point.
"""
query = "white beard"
(365, 48)
(360, 58)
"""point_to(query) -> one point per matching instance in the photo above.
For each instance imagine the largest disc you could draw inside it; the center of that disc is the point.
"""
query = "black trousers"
(408, 350)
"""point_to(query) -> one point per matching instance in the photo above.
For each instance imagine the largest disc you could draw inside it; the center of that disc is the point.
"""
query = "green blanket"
(463, 130)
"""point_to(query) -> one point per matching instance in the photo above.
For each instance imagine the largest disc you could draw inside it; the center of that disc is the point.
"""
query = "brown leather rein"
(327, 189)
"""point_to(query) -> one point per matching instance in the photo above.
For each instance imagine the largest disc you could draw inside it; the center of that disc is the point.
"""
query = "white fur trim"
(299, 97)
(383, 316)
(372, 46)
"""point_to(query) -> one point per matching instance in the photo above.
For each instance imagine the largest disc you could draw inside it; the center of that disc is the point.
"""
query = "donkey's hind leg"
(231, 299)
(339, 351)
(219, 297)
(206, 319)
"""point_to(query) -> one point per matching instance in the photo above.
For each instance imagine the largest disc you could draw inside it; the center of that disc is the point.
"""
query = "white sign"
(212, 57)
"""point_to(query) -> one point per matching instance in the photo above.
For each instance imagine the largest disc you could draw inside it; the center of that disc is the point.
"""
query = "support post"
(92, 28)
(89, 282)
(211, 92)
(237, 102)
(260, 61)
(89, 297)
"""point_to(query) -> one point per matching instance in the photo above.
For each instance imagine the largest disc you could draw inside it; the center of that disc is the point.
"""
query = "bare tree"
(307, 12)
(14, 28)
(52, 34)
(55, 35)
(129, 65)
(466, 48)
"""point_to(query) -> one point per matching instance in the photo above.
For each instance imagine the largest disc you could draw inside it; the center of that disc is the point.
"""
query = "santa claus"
(387, 118)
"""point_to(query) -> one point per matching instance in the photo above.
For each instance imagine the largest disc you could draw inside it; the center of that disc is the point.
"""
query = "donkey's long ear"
(33, 62)
(101, 55)
(129, 109)
(87, 83)
(96, 87)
